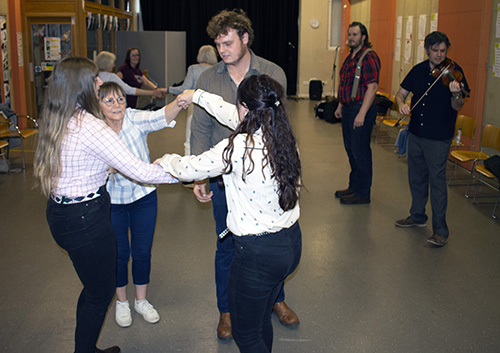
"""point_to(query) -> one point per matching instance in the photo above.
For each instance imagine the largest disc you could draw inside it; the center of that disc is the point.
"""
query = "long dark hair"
(71, 91)
(127, 57)
(265, 100)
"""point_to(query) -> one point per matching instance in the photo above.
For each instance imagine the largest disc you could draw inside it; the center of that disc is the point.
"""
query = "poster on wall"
(434, 22)
(422, 21)
(397, 50)
(498, 22)
(420, 51)
(52, 48)
(409, 27)
(496, 66)
(5, 58)
(399, 26)
(407, 54)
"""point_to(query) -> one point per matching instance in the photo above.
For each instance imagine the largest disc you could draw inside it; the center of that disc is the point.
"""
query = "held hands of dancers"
(159, 92)
(185, 98)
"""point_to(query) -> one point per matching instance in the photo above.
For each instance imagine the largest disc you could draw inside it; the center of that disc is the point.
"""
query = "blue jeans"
(260, 266)
(225, 249)
(140, 218)
(357, 145)
(84, 231)
(427, 166)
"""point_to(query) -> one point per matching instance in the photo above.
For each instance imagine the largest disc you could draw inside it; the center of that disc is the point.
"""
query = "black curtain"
(275, 23)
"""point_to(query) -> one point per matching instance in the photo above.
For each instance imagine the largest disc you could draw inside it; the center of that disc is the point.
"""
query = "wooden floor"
(363, 285)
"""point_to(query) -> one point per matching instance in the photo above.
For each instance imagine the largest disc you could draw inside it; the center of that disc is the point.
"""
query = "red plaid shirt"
(369, 73)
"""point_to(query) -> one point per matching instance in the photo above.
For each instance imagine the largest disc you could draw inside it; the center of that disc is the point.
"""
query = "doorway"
(52, 40)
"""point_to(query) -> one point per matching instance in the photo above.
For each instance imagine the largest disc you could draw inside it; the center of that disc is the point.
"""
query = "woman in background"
(74, 152)
(133, 205)
(207, 57)
(260, 167)
(106, 63)
(131, 73)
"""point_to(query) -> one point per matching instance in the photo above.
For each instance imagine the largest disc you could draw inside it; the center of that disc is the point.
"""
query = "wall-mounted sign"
(52, 48)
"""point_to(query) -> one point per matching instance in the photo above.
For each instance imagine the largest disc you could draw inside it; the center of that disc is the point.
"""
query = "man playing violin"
(432, 125)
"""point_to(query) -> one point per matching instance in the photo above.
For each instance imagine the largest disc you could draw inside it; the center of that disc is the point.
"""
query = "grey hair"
(207, 55)
(105, 61)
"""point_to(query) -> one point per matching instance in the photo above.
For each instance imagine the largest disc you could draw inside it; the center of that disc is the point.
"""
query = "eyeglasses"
(111, 101)
(132, 55)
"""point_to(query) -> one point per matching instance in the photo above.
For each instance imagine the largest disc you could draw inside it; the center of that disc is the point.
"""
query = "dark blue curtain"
(275, 23)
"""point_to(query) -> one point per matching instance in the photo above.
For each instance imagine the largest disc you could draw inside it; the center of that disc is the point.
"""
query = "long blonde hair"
(71, 90)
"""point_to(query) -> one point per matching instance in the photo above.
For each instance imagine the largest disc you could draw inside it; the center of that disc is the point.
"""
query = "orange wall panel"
(382, 26)
(454, 6)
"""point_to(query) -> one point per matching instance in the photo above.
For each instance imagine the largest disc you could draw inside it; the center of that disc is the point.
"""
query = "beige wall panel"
(491, 111)
(315, 59)
(360, 12)
(4, 8)
(407, 8)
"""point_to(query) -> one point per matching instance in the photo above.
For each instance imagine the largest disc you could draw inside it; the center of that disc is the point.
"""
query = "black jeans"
(225, 249)
(84, 231)
(357, 146)
(260, 266)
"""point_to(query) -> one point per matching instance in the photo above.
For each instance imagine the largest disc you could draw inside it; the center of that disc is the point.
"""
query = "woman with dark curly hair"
(260, 167)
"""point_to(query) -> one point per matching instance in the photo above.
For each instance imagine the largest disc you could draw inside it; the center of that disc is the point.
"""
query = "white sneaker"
(123, 316)
(147, 311)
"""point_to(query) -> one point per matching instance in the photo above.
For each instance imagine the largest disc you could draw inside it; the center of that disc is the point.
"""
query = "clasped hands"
(185, 98)
(160, 92)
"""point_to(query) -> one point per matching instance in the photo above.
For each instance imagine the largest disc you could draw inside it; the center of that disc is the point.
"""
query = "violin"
(447, 72)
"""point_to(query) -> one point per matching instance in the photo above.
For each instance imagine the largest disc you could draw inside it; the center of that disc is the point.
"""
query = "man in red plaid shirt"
(358, 113)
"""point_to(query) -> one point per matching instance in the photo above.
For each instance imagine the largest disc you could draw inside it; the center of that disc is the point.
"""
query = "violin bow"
(423, 95)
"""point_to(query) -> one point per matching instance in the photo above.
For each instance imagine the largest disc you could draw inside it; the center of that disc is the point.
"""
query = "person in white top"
(260, 167)
(74, 152)
(207, 57)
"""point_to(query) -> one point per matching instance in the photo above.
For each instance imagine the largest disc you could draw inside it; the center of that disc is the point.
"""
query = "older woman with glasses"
(133, 205)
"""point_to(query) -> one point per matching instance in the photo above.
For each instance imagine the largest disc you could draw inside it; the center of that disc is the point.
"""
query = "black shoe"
(114, 349)
(408, 222)
(342, 193)
(437, 240)
(353, 200)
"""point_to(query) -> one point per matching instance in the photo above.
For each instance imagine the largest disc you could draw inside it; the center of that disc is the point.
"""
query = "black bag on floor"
(493, 165)
(326, 110)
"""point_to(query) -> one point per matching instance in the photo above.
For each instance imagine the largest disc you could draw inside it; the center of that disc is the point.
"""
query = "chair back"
(491, 137)
(4, 124)
(467, 124)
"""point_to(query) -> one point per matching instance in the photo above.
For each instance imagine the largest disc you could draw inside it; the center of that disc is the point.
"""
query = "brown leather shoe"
(286, 315)
(114, 349)
(224, 328)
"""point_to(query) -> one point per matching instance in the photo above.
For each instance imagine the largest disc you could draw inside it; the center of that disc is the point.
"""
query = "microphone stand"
(334, 69)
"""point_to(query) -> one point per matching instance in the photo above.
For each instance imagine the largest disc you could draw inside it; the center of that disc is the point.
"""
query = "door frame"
(29, 68)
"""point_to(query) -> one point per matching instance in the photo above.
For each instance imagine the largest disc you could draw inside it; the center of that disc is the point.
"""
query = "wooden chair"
(10, 130)
(387, 120)
(483, 171)
(468, 126)
(490, 139)
(4, 162)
